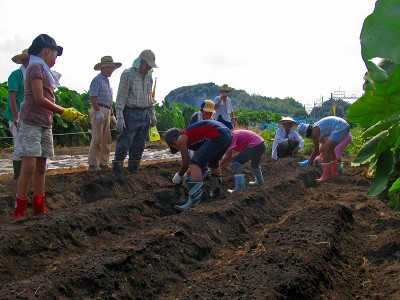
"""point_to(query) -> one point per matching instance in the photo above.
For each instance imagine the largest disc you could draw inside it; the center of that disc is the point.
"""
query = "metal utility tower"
(341, 95)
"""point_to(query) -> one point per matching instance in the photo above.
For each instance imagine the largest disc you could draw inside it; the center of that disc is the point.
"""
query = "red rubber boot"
(326, 172)
(20, 208)
(334, 172)
(39, 205)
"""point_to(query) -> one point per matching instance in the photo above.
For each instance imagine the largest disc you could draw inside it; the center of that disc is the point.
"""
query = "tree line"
(175, 111)
(194, 95)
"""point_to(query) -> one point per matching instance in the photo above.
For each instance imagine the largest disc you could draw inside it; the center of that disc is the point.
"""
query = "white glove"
(177, 179)
(120, 125)
(99, 116)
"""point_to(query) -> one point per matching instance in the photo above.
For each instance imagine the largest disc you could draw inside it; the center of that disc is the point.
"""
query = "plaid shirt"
(134, 91)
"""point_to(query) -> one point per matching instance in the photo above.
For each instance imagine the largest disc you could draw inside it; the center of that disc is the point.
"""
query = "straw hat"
(20, 57)
(225, 88)
(107, 61)
(288, 120)
(208, 105)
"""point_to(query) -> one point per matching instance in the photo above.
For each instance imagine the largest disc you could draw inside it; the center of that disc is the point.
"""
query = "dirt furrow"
(289, 239)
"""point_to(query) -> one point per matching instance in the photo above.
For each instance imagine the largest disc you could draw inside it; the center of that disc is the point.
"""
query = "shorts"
(339, 136)
(35, 141)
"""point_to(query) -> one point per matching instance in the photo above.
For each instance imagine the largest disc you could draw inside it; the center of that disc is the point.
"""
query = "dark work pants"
(133, 138)
(285, 149)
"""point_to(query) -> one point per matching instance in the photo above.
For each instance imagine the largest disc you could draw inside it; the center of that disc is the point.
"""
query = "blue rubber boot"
(195, 194)
(239, 184)
(258, 176)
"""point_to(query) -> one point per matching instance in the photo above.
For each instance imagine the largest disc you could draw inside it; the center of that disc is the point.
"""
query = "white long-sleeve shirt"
(281, 136)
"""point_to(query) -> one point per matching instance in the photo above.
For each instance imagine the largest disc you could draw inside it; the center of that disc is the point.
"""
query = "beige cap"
(107, 61)
(149, 57)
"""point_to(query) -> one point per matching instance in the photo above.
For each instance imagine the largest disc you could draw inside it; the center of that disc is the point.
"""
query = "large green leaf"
(380, 36)
(393, 84)
(384, 168)
(379, 107)
(368, 150)
(389, 140)
(395, 188)
(376, 73)
(397, 143)
(370, 109)
(380, 126)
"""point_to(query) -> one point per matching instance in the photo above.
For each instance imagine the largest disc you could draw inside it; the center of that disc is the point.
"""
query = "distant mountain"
(194, 95)
(327, 109)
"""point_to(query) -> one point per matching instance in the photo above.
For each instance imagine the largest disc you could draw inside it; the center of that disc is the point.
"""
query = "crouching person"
(332, 130)
(210, 139)
(251, 147)
(338, 153)
(287, 141)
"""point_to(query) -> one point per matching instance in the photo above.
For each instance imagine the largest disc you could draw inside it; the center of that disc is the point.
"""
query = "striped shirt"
(100, 88)
(134, 91)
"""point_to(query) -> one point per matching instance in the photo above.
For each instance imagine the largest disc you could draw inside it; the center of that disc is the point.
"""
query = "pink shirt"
(243, 139)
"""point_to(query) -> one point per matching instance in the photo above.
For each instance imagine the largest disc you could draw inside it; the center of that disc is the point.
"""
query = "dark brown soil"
(121, 239)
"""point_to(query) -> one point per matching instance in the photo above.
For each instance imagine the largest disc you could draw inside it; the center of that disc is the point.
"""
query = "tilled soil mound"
(121, 239)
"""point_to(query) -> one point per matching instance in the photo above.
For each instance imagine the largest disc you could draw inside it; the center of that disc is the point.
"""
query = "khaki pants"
(100, 145)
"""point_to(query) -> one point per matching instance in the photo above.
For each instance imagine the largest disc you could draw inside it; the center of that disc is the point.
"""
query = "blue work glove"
(304, 163)
(120, 125)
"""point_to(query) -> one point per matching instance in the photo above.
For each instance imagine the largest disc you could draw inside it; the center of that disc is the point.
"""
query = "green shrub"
(268, 136)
